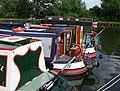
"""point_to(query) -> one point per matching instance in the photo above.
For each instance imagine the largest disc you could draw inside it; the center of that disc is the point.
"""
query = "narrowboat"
(22, 67)
(55, 47)
(60, 43)
(89, 45)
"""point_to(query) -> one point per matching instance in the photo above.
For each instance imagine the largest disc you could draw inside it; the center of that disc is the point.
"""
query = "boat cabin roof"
(13, 41)
(56, 28)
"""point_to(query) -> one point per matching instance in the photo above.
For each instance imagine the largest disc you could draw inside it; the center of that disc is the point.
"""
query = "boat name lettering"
(1, 68)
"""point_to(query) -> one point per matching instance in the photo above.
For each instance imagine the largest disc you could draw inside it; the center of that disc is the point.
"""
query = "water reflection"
(110, 41)
(84, 83)
(109, 65)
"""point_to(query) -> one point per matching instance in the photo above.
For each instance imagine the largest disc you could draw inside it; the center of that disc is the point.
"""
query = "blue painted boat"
(22, 67)
(56, 43)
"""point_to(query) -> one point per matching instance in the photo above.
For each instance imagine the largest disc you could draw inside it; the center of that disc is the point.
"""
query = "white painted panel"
(47, 45)
(74, 65)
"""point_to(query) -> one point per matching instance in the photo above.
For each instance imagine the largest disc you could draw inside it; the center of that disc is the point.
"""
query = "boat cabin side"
(55, 39)
(21, 60)
(66, 39)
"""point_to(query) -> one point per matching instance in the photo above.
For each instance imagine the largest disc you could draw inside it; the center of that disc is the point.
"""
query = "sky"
(92, 3)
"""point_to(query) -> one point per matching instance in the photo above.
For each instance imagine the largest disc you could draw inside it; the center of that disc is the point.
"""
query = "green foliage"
(110, 10)
(74, 8)
(95, 12)
(23, 9)
(7, 8)
(42, 8)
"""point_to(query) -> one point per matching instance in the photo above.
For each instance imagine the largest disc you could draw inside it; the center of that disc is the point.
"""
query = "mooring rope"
(100, 89)
(111, 85)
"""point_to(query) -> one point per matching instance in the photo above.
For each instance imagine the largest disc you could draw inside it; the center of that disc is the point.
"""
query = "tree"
(40, 6)
(111, 10)
(74, 8)
(95, 12)
(54, 9)
(24, 9)
(15, 8)
(7, 8)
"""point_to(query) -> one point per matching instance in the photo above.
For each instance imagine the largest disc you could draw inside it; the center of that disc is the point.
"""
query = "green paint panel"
(23, 42)
(28, 65)
(3, 62)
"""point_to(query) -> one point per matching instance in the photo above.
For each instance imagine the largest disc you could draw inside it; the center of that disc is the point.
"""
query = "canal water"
(108, 67)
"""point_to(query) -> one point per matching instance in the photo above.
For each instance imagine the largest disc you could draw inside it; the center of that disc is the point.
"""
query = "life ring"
(81, 52)
(19, 29)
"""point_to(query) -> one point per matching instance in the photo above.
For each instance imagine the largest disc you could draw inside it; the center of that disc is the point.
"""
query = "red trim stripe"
(7, 49)
(90, 55)
(73, 71)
